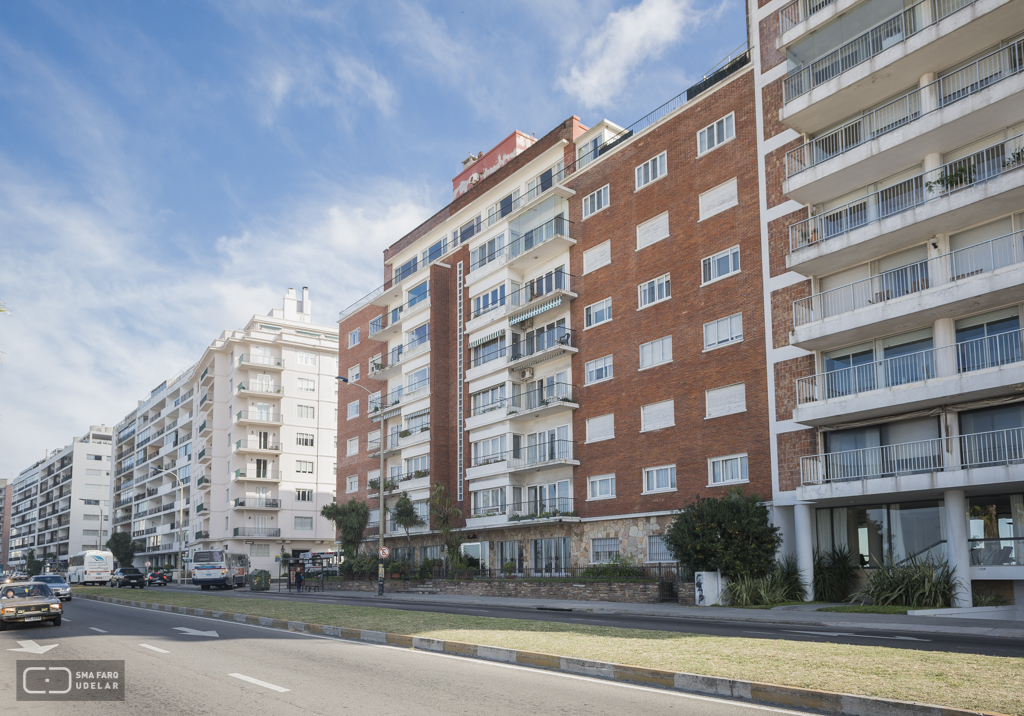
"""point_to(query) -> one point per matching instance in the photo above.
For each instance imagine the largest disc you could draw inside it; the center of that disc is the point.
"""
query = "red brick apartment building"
(575, 345)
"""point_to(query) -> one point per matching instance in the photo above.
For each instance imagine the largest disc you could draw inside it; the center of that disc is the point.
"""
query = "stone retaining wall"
(630, 592)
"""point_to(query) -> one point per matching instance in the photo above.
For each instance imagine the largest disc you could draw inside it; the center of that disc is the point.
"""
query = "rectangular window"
(436, 251)
(353, 374)
(487, 400)
(490, 250)
(418, 466)
(303, 524)
(491, 350)
(725, 401)
(731, 468)
(304, 439)
(651, 170)
(373, 402)
(468, 230)
(352, 447)
(601, 427)
(260, 550)
(588, 151)
(720, 265)
(602, 487)
(353, 410)
(306, 358)
(714, 134)
(723, 331)
(595, 202)
(657, 415)
(303, 495)
(353, 338)
(660, 479)
(546, 180)
(407, 269)
(306, 385)
(600, 369)
(604, 550)
(419, 379)
(652, 231)
(306, 411)
(352, 483)
(597, 313)
(715, 201)
(489, 301)
(595, 258)
(488, 451)
(656, 549)
(304, 467)
(659, 289)
(503, 208)
(656, 352)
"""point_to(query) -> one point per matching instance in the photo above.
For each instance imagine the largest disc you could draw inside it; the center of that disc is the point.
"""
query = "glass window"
(407, 269)
(489, 301)
(418, 293)
(651, 170)
(723, 331)
(657, 479)
(604, 550)
(303, 523)
(714, 134)
(595, 202)
(721, 264)
(600, 369)
(353, 374)
(490, 250)
(656, 352)
(988, 340)
(550, 556)
(728, 469)
(597, 313)
(353, 409)
(656, 290)
(656, 549)
(352, 483)
(352, 447)
(602, 487)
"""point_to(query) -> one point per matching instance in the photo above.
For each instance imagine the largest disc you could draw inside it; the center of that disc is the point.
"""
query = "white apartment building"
(892, 145)
(60, 505)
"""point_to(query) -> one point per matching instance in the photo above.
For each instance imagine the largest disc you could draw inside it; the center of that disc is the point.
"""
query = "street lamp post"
(380, 495)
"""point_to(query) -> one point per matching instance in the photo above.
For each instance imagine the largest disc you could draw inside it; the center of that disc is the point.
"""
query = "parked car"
(58, 585)
(128, 577)
(28, 602)
(156, 578)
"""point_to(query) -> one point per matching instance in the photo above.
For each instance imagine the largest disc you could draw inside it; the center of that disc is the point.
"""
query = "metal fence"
(798, 11)
(655, 572)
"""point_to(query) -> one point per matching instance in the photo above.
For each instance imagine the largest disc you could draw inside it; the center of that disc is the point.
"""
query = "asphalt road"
(249, 669)
(964, 644)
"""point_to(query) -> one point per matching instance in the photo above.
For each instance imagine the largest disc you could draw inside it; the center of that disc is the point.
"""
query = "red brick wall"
(791, 447)
(775, 172)
(693, 439)
(769, 31)
(782, 310)
(786, 373)
(771, 103)
(778, 240)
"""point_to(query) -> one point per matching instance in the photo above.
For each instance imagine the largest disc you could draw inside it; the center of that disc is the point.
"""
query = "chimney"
(471, 159)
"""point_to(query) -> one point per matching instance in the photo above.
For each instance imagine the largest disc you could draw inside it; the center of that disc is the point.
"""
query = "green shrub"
(783, 583)
(922, 584)
(989, 600)
(833, 574)
(620, 568)
(426, 570)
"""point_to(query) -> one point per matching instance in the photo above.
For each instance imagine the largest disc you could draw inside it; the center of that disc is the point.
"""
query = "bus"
(90, 567)
(217, 567)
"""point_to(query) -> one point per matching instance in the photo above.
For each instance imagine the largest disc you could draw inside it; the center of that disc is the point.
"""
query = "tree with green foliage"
(123, 547)
(33, 566)
(350, 519)
(445, 512)
(404, 514)
(731, 534)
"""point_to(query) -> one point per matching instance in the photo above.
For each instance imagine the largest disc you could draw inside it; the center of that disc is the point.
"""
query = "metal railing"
(542, 509)
(399, 353)
(521, 243)
(255, 416)
(257, 532)
(958, 265)
(257, 474)
(544, 453)
(991, 162)
(256, 445)
(389, 318)
(542, 341)
(257, 502)
(534, 290)
(963, 357)
(997, 551)
(532, 399)
(798, 11)
(989, 70)
(248, 359)
(259, 388)
(889, 32)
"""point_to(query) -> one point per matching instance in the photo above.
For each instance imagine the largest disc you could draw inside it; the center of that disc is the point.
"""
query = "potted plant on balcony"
(949, 180)
(1015, 158)
(404, 433)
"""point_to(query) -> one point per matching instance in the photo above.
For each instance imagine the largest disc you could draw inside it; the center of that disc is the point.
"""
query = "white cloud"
(624, 41)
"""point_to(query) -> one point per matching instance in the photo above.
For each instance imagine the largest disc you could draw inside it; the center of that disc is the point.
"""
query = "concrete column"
(930, 96)
(944, 338)
(949, 423)
(957, 547)
(803, 523)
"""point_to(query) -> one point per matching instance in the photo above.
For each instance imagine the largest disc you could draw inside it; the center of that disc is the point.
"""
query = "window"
(721, 265)
(600, 369)
(658, 415)
(601, 428)
(304, 439)
(723, 331)
(303, 495)
(260, 550)
(725, 401)
(353, 374)
(487, 451)
(651, 170)
(407, 269)
(304, 467)
(546, 180)
(373, 402)
(306, 411)
(487, 503)
(598, 313)
(602, 487)
(715, 201)
(306, 385)
(419, 379)
(660, 479)
(417, 336)
(652, 231)
(731, 468)
(490, 250)
(714, 134)
(489, 301)
(353, 410)
(303, 523)
(352, 483)
(656, 352)
(595, 258)
(418, 421)
(353, 338)
(604, 550)
(587, 152)
(352, 447)
(420, 464)
(503, 208)
(306, 358)
(659, 289)
(436, 251)
(656, 549)
(491, 350)
(467, 231)
(593, 203)
(488, 400)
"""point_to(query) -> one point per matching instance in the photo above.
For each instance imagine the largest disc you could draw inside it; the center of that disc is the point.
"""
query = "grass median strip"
(962, 680)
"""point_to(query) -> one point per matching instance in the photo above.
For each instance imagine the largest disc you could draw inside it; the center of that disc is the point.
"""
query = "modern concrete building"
(60, 505)
(891, 142)
(5, 521)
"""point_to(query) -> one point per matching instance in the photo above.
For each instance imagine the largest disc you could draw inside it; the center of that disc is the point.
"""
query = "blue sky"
(168, 169)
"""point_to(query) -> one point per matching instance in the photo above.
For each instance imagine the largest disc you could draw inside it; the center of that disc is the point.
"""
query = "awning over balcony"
(536, 310)
(488, 337)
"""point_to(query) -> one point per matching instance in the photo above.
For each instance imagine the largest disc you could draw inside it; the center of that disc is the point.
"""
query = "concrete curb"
(788, 697)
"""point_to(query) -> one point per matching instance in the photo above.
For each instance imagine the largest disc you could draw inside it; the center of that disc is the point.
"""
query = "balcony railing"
(399, 353)
(533, 293)
(268, 388)
(997, 552)
(798, 11)
(394, 441)
(965, 357)
(542, 509)
(257, 502)
(558, 337)
(988, 163)
(521, 243)
(533, 399)
(949, 268)
(257, 532)
(256, 445)
(248, 359)
(389, 318)
(528, 456)
(975, 77)
(202, 534)
(891, 31)
(256, 416)
(257, 474)
(201, 507)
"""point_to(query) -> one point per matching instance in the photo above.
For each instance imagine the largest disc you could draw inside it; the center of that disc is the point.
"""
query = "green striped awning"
(488, 337)
(535, 310)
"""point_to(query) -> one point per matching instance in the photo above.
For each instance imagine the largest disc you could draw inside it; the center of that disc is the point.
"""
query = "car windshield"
(51, 579)
(29, 590)
(130, 570)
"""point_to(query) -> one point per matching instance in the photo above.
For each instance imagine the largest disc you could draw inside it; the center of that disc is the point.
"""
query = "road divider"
(763, 694)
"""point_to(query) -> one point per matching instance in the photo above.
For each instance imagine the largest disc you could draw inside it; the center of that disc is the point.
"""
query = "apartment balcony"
(201, 535)
(203, 483)
(205, 427)
(801, 17)
(259, 475)
(205, 456)
(257, 417)
(389, 365)
(402, 395)
(394, 484)
(537, 297)
(543, 347)
(206, 378)
(528, 405)
(261, 362)
(202, 509)
(390, 324)
(395, 442)
(259, 389)
(489, 362)
(257, 446)
(538, 244)
(977, 278)
(256, 532)
(971, 370)
(955, 195)
(256, 503)
(970, 103)
(892, 55)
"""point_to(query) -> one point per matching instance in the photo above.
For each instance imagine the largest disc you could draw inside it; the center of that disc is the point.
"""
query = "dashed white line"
(264, 684)
(158, 650)
(101, 631)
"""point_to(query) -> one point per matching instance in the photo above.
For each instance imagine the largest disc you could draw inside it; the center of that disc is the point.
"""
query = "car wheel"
(3, 625)
(56, 622)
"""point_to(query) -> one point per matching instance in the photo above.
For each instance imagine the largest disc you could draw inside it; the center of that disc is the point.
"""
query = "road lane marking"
(159, 651)
(264, 684)
(101, 631)
(31, 647)
(854, 636)
(196, 632)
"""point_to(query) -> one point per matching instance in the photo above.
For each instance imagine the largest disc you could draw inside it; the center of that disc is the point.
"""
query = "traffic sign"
(148, 565)
(384, 552)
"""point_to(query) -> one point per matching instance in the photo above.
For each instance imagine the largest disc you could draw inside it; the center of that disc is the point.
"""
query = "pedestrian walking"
(299, 579)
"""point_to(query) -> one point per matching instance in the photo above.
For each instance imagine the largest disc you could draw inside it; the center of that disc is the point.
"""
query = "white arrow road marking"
(856, 636)
(195, 632)
(31, 647)
(264, 684)
(159, 651)
(101, 631)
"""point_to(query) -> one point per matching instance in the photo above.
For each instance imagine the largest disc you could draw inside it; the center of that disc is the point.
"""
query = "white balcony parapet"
(955, 266)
